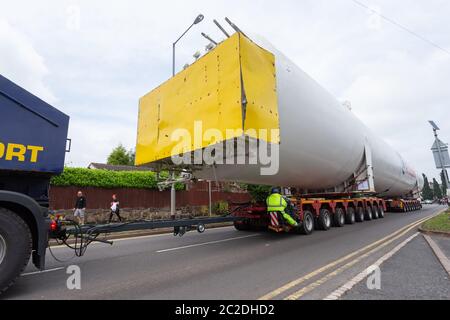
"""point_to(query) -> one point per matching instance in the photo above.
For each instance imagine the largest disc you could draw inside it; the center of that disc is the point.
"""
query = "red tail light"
(54, 226)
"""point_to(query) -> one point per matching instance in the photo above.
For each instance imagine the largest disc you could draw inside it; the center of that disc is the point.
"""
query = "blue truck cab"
(33, 142)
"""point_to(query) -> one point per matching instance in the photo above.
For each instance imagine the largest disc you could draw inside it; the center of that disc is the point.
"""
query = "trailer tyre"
(381, 212)
(339, 218)
(324, 220)
(350, 217)
(307, 226)
(360, 214)
(15, 247)
(375, 213)
(368, 216)
(241, 225)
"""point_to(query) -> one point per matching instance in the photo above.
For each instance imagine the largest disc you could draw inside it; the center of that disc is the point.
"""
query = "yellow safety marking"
(298, 281)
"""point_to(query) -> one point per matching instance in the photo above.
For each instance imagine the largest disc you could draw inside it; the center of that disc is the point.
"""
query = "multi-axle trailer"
(335, 164)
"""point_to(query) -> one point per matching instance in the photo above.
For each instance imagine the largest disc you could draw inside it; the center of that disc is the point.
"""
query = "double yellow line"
(373, 247)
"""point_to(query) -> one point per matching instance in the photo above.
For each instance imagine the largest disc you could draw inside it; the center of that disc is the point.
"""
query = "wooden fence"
(63, 198)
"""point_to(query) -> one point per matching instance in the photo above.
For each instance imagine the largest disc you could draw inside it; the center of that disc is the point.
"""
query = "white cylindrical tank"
(322, 142)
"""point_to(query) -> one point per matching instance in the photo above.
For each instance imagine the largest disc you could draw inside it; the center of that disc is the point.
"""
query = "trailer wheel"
(350, 216)
(360, 214)
(324, 220)
(381, 213)
(15, 247)
(307, 226)
(241, 225)
(339, 218)
(368, 215)
(201, 228)
(375, 213)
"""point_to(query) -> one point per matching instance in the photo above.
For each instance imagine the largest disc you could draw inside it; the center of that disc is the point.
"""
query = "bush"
(259, 193)
(220, 208)
(79, 177)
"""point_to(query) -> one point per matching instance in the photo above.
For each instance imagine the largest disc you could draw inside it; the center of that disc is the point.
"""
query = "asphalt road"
(219, 264)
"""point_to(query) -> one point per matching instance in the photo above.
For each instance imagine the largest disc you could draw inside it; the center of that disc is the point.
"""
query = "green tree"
(121, 157)
(437, 189)
(444, 184)
(427, 192)
(258, 193)
(132, 156)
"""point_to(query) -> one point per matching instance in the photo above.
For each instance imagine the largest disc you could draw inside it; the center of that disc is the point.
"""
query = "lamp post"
(197, 20)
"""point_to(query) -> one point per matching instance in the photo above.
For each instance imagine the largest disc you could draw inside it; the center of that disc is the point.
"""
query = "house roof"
(102, 166)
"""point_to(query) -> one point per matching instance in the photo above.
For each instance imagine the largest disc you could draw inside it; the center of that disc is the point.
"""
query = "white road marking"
(206, 243)
(438, 253)
(337, 294)
(39, 272)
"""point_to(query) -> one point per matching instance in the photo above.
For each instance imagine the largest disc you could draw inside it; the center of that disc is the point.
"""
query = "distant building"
(102, 166)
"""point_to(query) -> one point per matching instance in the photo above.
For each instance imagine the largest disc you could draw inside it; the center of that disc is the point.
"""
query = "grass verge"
(440, 223)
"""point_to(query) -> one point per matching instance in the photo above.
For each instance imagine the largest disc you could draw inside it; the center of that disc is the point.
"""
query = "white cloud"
(21, 63)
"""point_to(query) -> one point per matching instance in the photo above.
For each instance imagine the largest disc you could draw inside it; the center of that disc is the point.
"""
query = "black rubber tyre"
(381, 213)
(241, 226)
(307, 225)
(368, 214)
(339, 218)
(350, 217)
(360, 214)
(375, 213)
(15, 247)
(324, 220)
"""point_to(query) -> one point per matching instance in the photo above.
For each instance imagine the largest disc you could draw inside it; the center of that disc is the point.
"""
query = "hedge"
(79, 177)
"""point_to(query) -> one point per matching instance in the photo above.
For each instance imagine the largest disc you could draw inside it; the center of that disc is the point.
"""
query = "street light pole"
(197, 20)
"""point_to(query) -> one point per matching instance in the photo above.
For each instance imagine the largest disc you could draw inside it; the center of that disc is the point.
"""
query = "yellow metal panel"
(259, 78)
(210, 91)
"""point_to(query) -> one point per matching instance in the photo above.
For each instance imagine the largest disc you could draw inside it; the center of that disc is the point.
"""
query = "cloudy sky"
(94, 59)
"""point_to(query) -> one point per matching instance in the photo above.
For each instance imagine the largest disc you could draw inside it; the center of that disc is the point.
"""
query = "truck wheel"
(368, 215)
(324, 220)
(375, 213)
(307, 226)
(339, 218)
(381, 213)
(15, 247)
(350, 216)
(360, 214)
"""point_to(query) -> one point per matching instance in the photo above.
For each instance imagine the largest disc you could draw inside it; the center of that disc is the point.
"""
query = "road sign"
(441, 155)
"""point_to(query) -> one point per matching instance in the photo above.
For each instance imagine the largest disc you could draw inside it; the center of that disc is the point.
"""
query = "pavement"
(227, 264)
(413, 274)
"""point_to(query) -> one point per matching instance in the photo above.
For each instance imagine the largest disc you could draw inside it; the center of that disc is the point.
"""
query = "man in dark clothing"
(80, 208)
